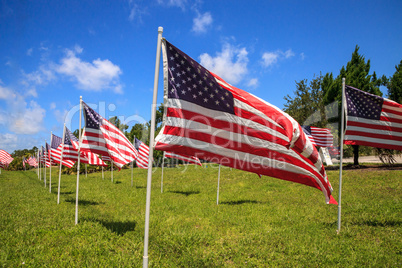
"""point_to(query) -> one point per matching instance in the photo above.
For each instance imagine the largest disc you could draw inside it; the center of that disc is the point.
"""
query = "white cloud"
(18, 116)
(289, 53)
(202, 22)
(8, 142)
(271, 58)
(136, 12)
(60, 115)
(302, 56)
(42, 76)
(253, 82)
(175, 3)
(29, 51)
(230, 63)
(6, 93)
(52, 105)
(95, 76)
(27, 119)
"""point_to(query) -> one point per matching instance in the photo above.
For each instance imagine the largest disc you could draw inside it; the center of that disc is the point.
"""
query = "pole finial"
(160, 29)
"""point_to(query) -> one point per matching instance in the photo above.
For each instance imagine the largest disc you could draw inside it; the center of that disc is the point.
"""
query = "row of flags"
(207, 118)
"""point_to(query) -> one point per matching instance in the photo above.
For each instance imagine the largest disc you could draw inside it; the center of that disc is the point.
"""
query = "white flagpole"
(44, 160)
(39, 165)
(151, 148)
(111, 169)
(132, 165)
(341, 155)
(61, 161)
(78, 165)
(86, 173)
(50, 159)
(163, 163)
(219, 178)
(102, 173)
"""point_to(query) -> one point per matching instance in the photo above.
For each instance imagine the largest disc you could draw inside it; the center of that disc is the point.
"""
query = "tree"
(357, 75)
(395, 84)
(116, 121)
(307, 106)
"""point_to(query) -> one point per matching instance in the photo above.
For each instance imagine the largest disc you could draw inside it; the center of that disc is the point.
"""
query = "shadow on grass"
(140, 187)
(186, 193)
(117, 227)
(69, 192)
(239, 202)
(83, 202)
(375, 223)
(117, 182)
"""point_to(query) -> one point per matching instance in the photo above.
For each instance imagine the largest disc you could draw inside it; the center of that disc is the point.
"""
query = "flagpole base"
(145, 262)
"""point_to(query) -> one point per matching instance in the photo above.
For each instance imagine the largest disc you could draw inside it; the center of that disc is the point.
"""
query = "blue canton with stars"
(56, 141)
(92, 118)
(191, 82)
(363, 104)
(69, 137)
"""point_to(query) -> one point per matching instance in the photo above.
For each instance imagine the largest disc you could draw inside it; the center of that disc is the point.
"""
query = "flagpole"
(39, 167)
(111, 169)
(341, 155)
(132, 165)
(50, 160)
(44, 158)
(78, 165)
(219, 178)
(102, 173)
(151, 148)
(61, 163)
(163, 164)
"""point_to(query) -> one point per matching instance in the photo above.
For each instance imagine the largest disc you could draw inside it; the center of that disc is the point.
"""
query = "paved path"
(366, 159)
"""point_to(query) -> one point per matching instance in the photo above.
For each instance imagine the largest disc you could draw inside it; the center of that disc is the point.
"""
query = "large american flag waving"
(103, 138)
(70, 151)
(5, 158)
(372, 120)
(210, 119)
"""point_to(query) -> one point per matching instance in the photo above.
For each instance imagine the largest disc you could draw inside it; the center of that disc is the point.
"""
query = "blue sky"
(52, 52)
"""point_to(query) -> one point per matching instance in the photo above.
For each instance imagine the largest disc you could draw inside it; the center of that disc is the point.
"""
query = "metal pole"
(50, 160)
(132, 165)
(44, 162)
(219, 178)
(151, 148)
(86, 173)
(111, 169)
(78, 165)
(163, 163)
(102, 173)
(341, 155)
(61, 161)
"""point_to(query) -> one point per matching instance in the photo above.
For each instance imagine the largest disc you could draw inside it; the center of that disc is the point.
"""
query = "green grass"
(260, 222)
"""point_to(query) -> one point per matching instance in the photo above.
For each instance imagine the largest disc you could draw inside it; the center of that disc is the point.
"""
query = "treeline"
(318, 102)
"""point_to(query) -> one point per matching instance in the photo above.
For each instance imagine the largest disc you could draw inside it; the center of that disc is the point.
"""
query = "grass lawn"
(259, 222)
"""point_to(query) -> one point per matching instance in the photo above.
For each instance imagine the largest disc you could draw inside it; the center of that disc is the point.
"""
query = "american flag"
(210, 119)
(143, 153)
(182, 157)
(321, 137)
(49, 161)
(70, 151)
(32, 161)
(102, 137)
(372, 120)
(5, 158)
(24, 160)
(55, 151)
